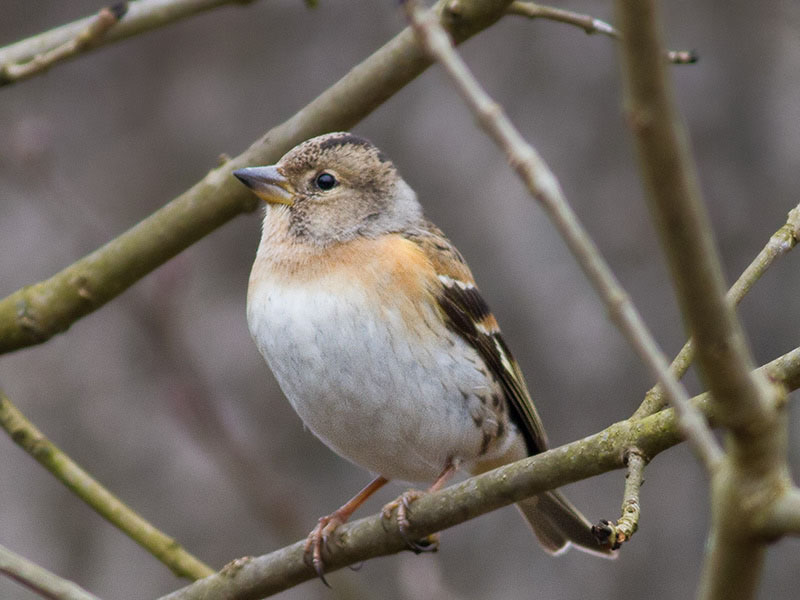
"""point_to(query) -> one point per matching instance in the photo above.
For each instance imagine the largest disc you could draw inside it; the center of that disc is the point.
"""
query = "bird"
(376, 332)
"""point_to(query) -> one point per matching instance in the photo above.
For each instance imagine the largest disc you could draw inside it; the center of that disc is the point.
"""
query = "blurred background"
(162, 395)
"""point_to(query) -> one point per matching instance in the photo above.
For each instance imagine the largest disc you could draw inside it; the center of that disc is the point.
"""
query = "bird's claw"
(317, 542)
(402, 505)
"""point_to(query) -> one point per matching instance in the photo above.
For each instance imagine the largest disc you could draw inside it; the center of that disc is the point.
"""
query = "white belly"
(363, 386)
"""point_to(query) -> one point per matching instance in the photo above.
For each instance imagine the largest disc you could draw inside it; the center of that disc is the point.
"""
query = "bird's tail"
(557, 524)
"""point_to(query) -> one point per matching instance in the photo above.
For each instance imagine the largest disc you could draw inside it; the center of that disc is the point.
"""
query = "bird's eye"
(325, 181)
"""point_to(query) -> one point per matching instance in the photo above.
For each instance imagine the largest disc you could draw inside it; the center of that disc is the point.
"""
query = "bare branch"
(37, 312)
(91, 36)
(52, 458)
(543, 187)
(251, 578)
(671, 184)
(34, 55)
(631, 508)
(373, 536)
(622, 531)
(40, 580)
(754, 467)
(779, 244)
(589, 24)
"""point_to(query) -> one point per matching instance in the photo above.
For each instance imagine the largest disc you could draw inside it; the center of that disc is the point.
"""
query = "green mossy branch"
(51, 457)
(38, 579)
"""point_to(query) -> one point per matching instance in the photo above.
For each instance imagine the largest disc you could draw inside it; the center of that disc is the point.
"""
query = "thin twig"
(85, 39)
(589, 24)
(164, 548)
(631, 507)
(622, 531)
(253, 578)
(37, 312)
(40, 580)
(779, 244)
(18, 61)
(544, 187)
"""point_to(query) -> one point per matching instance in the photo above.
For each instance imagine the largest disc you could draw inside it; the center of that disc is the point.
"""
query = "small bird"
(373, 326)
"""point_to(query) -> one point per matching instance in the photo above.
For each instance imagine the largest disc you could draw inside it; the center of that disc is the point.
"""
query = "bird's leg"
(326, 526)
(403, 506)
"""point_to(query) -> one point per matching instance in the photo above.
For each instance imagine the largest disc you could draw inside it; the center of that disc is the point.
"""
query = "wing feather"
(467, 313)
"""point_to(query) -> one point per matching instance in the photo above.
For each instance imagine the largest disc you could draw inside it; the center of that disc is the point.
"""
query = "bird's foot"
(402, 505)
(317, 542)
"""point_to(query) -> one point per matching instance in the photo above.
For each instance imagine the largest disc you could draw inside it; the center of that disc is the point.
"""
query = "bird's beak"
(267, 183)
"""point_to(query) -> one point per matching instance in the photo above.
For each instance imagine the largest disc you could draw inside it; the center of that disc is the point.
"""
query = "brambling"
(371, 321)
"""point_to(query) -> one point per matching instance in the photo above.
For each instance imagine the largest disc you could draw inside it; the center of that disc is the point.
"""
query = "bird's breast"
(371, 369)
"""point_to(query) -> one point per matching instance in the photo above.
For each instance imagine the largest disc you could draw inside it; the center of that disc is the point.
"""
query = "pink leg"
(326, 526)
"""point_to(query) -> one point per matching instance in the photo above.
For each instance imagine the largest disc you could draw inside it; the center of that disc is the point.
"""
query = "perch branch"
(252, 578)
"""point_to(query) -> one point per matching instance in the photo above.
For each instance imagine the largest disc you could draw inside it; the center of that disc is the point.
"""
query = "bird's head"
(336, 187)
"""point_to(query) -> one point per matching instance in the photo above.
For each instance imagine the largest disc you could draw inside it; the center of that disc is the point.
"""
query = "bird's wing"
(467, 313)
